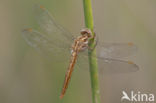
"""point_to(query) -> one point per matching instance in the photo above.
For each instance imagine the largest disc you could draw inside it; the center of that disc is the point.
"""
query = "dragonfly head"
(86, 32)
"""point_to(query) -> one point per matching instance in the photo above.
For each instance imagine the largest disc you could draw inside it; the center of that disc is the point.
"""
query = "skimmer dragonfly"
(55, 40)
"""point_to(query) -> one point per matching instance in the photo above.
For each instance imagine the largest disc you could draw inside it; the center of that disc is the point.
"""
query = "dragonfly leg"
(95, 42)
(84, 47)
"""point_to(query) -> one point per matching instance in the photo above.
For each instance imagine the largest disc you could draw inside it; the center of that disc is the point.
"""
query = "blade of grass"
(92, 60)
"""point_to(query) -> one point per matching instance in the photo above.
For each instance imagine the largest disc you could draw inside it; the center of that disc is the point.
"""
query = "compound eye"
(86, 31)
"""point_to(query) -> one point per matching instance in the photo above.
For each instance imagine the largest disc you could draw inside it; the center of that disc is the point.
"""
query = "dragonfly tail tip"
(61, 96)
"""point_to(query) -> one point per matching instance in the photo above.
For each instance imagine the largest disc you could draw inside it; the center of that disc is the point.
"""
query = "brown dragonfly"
(55, 40)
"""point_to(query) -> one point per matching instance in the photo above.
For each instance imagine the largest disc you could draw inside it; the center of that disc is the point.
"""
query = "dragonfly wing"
(115, 50)
(82, 61)
(52, 29)
(116, 66)
(107, 65)
(43, 44)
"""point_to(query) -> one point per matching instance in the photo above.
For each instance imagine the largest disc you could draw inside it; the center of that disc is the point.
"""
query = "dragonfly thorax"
(80, 43)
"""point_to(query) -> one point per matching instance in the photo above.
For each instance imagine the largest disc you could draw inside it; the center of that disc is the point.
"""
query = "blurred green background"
(27, 77)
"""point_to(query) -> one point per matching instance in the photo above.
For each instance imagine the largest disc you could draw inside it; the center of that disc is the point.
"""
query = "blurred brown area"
(27, 77)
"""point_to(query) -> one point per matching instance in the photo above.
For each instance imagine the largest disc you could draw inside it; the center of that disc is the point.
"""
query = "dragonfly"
(55, 40)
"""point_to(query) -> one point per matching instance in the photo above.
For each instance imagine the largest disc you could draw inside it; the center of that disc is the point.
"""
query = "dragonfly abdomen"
(68, 73)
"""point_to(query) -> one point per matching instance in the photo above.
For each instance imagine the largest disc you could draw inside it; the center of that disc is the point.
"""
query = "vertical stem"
(92, 60)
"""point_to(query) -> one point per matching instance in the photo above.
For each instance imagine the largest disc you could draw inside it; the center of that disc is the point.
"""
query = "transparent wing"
(45, 45)
(51, 28)
(115, 50)
(116, 66)
(56, 41)
(107, 65)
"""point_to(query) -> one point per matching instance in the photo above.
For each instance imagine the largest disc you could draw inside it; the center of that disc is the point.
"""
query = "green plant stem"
(91, 54)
